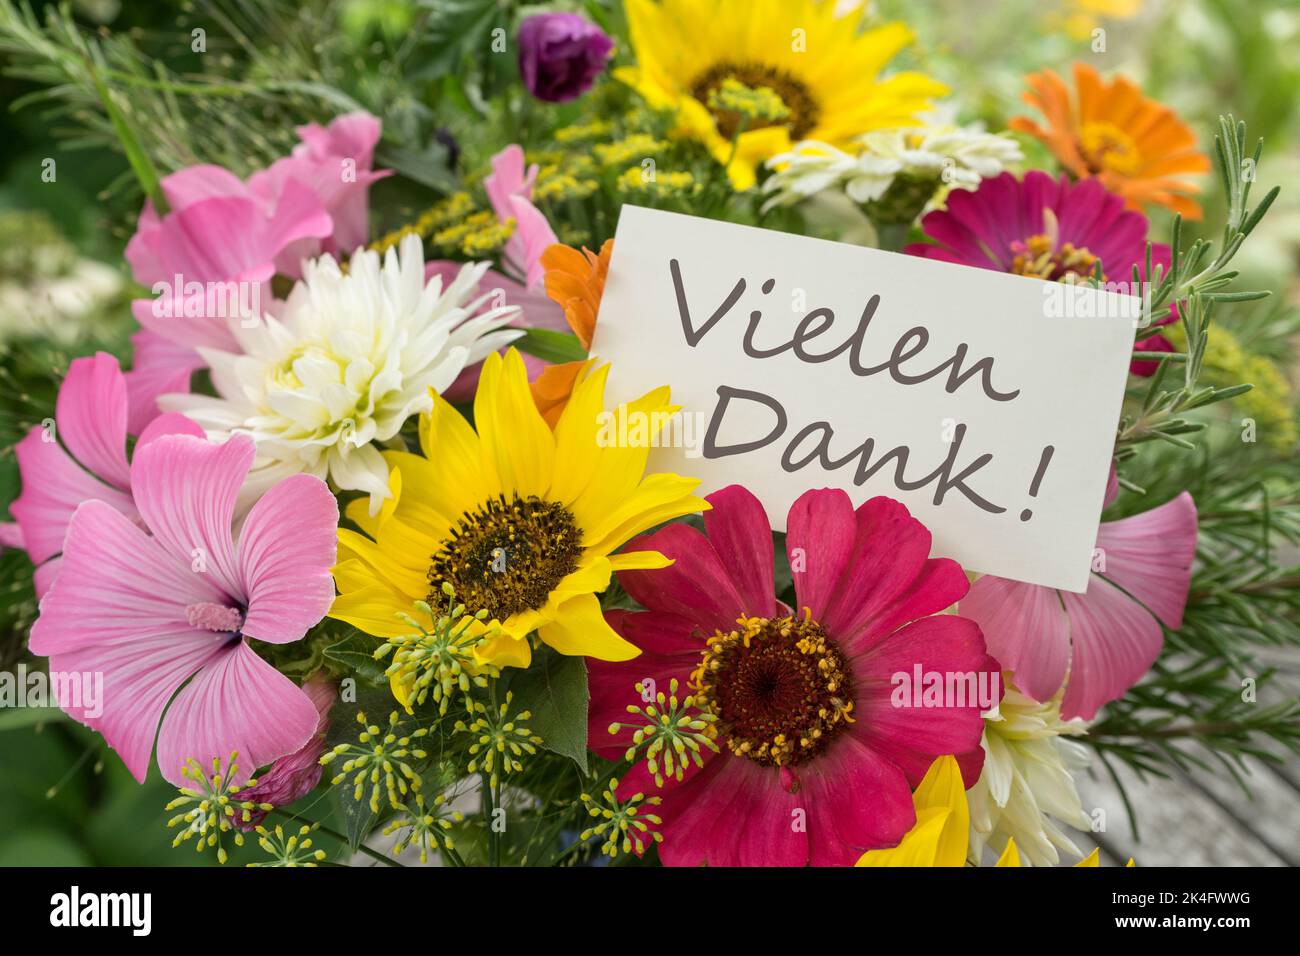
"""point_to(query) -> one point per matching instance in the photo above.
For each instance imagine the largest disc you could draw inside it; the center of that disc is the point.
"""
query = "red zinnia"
(815, 762)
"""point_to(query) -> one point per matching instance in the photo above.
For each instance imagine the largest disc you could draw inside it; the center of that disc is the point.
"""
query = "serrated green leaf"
(356, 652)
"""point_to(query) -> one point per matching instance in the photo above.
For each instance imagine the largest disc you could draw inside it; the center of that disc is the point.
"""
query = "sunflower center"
(507, 556)
(779, 688)
(793, 91)
(1040, 257)
(1107, 148)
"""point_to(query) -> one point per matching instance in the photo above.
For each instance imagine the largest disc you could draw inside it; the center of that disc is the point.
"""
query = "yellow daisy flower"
(825, 71)
(520, 520)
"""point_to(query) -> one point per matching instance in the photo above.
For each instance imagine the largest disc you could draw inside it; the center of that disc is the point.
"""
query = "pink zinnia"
(82, 458)
(1045, 228)
(1099, 643)
(166, 614)
(815, 763)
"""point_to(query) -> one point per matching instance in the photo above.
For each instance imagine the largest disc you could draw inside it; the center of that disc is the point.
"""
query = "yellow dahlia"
(521, 520)
(825, 71)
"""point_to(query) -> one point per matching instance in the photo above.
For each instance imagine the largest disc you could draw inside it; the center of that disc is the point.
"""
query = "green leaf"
(455, 29)
(428, 166)
(356, 652)
(554, 689)
(359, 820)
(551, 346)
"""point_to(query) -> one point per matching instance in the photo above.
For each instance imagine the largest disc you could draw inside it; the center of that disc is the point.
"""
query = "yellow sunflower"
(520, 520)
(825, 70)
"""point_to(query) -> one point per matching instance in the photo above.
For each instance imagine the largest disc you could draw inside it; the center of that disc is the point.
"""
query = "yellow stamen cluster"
(1038, 257)
(552, 184)
(623, 824)
(380, 759)
(451, 210)
(424, 827)
(672, 733)
(635, 147)
(779, 687)
(634, 179)
(292, 850)
(214, 806)
(502, 739)
(757, 105)
(438, 662)
(478, 234)
(582, 132)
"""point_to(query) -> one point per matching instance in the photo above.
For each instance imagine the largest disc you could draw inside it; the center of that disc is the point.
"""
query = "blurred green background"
(64, 289)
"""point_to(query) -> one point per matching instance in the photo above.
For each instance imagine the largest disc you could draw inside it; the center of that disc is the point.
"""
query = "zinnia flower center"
(793, 92)
(506, 557)
(1106, 147)
(779, 687)
(1040, 257)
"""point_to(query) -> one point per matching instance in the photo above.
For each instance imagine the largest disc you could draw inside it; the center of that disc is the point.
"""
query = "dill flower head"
(352, 355)
(438, 662)
(503, 739)
(625, 824)
(214, 807)
(380, 758)
(293, 849)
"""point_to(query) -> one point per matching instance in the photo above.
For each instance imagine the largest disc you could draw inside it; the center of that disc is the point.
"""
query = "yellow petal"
(373, 610)
(1010, 856)
(942, 789)
(919, 847)
(516, 441)
(502, 650)
(463, 480)
(639, 561)
(1092, 859)
(580, 629)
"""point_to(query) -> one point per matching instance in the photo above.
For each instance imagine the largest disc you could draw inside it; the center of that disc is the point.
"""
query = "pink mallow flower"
(166, 614)
(1099, 643)
(815, 761)
(296, 775)
(221, 229)
(81, 458)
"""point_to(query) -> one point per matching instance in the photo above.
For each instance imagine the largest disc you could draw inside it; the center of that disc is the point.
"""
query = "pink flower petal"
(159, 367)
(238, 703)
(1150, 556)
(856, 800)
(820, 531)
(1115, 641)
(737, 527)
(888, 718)
(53, 486)
(1025, 628)
(286, 549)
(91, 417)
(185, 489)
(696, 586)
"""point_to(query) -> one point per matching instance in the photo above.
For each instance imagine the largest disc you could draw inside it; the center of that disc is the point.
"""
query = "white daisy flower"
(1027, 786)
(350, 357)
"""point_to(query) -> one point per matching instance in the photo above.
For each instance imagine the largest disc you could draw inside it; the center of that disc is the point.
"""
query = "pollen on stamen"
(214, 617)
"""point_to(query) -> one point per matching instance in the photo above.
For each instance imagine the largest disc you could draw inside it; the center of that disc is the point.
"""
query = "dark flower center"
(792, 90)
(506, 557)
(780, 689)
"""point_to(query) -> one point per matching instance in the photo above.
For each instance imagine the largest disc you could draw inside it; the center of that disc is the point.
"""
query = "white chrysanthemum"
(350, 357)
(952, 155)
(1027, 786)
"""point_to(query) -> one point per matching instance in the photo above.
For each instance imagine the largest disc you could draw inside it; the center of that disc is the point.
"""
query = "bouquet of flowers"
(326, 538)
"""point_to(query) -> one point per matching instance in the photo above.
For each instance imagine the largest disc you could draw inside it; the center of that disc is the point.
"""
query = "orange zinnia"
(1135, 146)
(576, 280)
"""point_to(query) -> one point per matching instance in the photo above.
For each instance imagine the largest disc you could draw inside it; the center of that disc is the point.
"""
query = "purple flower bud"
(560, 55)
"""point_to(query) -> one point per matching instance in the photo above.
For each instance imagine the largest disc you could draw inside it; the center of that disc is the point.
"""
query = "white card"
(971, 374)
